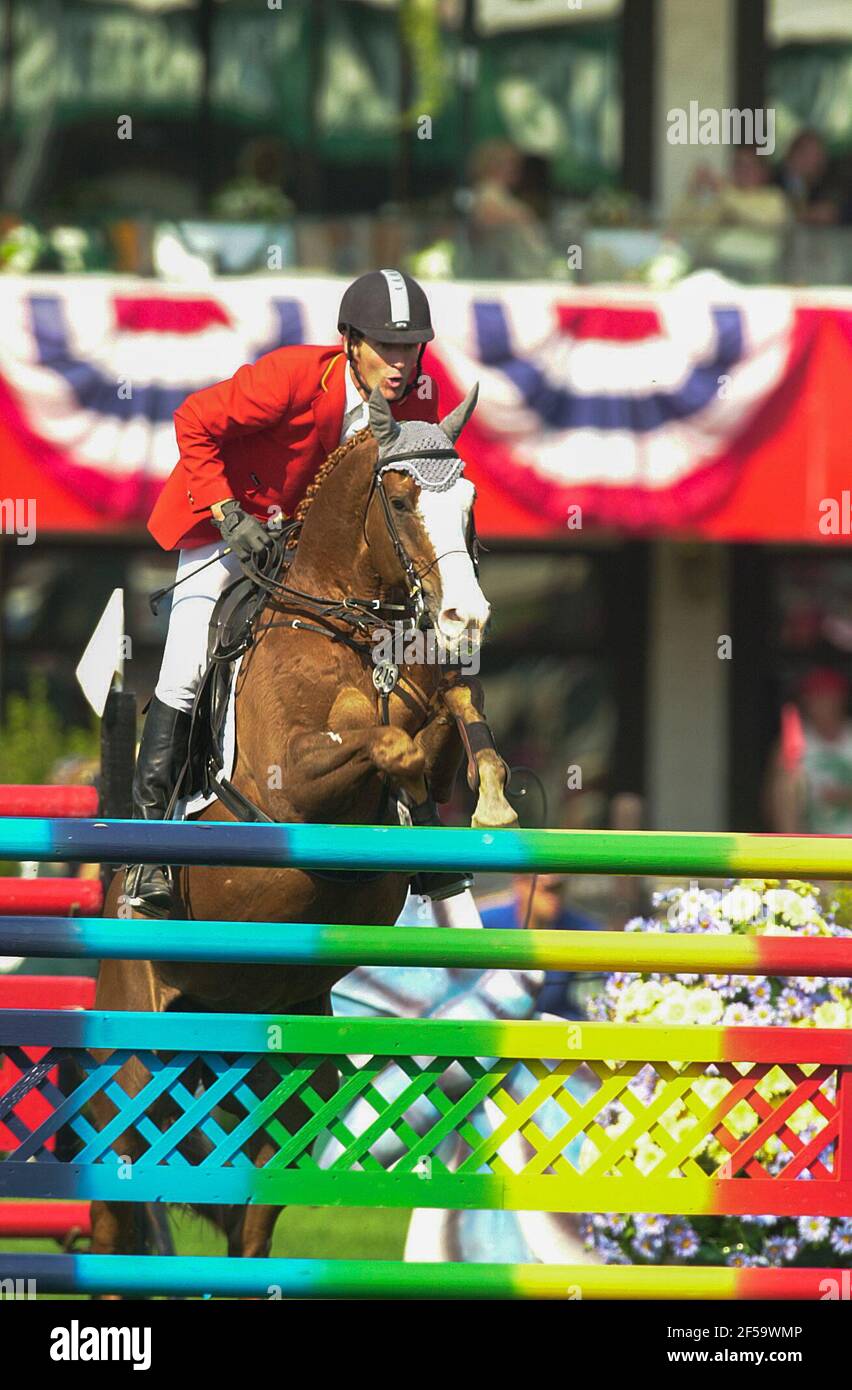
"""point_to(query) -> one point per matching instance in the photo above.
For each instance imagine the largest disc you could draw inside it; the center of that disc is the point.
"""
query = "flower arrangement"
(750, 907)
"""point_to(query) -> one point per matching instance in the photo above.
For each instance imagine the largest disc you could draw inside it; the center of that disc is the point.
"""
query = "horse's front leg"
(331, 766)
(487, 772)
(443, 749)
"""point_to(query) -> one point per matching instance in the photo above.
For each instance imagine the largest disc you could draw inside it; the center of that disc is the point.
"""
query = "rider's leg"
(164, 739)
(436, 884)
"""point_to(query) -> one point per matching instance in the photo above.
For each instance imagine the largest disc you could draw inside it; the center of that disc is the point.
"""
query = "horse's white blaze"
(464, 609)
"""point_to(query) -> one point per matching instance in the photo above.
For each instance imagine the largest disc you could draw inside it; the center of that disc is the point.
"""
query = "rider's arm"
(256, 396)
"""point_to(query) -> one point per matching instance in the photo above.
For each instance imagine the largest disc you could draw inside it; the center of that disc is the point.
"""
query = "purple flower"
(779, 1249)
(684, 1243)
(739, 1259)
(648, 1247)
(760, 991)
(650, 1225)
(841, 1240)
(789, 1003)
(612, 1252)
(611, 1222)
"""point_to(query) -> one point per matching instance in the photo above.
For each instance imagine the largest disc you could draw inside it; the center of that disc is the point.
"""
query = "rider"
(249, 448)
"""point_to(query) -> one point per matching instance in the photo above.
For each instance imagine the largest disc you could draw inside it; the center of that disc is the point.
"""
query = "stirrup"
(438, 885)
(159, 901)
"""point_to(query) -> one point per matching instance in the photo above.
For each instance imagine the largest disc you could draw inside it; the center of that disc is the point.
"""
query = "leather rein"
(361, 613)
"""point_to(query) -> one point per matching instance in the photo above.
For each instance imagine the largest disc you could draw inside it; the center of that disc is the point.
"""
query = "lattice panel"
(572, 1133)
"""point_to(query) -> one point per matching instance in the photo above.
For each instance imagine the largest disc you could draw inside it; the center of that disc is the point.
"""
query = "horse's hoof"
(490, 818)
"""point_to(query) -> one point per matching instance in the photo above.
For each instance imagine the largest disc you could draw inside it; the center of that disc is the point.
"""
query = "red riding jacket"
(260, 437)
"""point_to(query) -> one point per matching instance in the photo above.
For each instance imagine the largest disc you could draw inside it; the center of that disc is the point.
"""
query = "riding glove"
(247, 537)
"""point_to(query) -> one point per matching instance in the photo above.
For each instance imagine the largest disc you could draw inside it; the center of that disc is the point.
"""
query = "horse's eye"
(398, 504)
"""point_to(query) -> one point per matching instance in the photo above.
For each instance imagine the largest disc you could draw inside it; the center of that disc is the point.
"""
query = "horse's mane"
(341, 452)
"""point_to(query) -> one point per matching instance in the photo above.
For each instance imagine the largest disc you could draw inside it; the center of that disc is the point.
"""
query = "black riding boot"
(148, 887)
(432, 883)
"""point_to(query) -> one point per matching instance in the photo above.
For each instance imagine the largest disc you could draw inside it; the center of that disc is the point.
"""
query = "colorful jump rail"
(425, 1081)
(388, 1279)
(36, 896)
(28, 800)
(399, 847)
(421, 1083)
(306, 943)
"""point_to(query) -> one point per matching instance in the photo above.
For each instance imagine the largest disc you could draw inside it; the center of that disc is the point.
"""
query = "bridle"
(359, 612)
(414, 581)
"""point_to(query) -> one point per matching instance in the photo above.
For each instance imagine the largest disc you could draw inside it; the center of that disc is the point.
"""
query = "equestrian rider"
(249, 448)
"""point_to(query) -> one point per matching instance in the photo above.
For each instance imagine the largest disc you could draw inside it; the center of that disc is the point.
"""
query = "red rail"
(45, 1220)
(35, 897)
(48, 801)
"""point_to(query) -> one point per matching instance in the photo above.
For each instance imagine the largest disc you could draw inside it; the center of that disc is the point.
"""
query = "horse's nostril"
(451, 617)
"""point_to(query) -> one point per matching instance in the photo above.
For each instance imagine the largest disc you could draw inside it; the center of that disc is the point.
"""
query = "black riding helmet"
(387, 305)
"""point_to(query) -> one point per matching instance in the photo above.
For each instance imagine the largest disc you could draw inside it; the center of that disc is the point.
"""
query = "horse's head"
(420, 523)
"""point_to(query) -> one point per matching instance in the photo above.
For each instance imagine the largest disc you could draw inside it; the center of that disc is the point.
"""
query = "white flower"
(763, 1014)
(830, 1015)
(741, 905)
(673, 1007)
(705, 1006)
(737, 1014)
(780, 902)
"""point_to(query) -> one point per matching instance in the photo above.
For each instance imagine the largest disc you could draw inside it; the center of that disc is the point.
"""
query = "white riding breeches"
(185, 654)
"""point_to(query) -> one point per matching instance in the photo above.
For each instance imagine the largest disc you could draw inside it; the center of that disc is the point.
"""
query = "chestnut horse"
(311, 745)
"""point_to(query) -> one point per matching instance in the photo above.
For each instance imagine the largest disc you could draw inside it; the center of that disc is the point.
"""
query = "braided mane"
(341, 452)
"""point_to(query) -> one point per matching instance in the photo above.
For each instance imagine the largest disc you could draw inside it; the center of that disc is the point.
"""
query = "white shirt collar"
(355, 410)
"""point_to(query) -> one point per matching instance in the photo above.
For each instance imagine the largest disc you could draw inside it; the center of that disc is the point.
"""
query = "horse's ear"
(384, 427)
(454, 423)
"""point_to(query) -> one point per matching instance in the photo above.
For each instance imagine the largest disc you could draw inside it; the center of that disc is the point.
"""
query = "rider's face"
(386, 365)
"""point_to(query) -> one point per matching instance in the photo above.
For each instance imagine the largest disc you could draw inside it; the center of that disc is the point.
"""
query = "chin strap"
(415, 375)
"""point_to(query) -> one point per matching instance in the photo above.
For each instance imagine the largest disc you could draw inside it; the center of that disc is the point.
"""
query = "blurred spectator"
(539, 902)
(506, 236)
(747, 199)
(809, 785)
(802, 174)
(735, 224)
(534, 186)
(839, 183)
